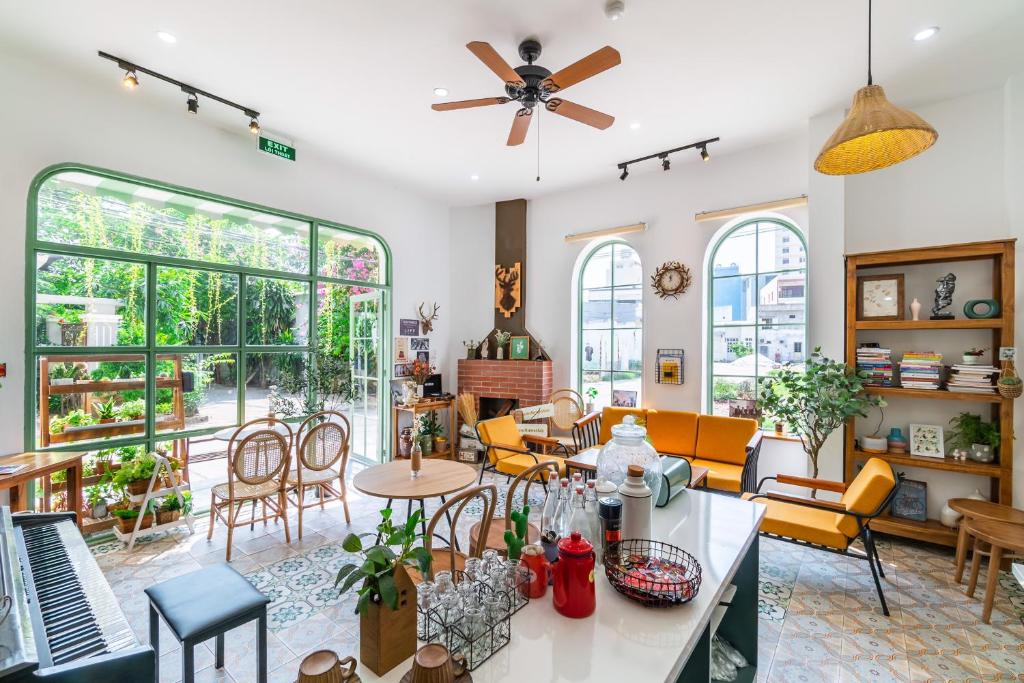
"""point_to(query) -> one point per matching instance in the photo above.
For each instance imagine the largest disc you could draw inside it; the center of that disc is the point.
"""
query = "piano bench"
(206, 604)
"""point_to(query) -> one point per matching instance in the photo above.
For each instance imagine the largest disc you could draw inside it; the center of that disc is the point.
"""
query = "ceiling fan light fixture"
(614, 9)
(875, 133)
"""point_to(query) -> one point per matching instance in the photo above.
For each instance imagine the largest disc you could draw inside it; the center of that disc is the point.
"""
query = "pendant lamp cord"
(870, 81)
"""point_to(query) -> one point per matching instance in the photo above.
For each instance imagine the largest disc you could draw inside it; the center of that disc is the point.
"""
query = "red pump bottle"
(574, 591)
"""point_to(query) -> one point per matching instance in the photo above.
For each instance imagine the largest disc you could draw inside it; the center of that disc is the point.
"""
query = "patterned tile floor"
(820, 619)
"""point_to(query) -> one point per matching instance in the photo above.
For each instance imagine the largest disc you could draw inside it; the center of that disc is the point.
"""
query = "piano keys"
(64, 624)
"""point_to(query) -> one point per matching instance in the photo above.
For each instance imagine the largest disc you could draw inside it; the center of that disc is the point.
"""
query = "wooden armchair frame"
(531, 475)
(863, 520)
(545, 441)
(488, 493)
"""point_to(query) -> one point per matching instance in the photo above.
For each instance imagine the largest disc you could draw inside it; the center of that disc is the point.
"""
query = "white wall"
(49, 117)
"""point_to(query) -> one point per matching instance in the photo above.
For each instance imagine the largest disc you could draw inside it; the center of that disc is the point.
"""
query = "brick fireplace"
(525, 381)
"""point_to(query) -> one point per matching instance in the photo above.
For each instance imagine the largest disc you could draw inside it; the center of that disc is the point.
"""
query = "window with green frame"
(160, 312)
(610, 340)
(757, 310)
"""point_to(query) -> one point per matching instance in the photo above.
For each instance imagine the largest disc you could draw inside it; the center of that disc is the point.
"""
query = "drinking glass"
(473, 568)
(449, 607)
(475, 627)
(443, 582)
(467, 595)
(425, 600)
(491, 560)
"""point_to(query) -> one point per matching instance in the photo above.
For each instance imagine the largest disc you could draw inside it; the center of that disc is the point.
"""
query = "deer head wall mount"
(428, 320)
(507, 289)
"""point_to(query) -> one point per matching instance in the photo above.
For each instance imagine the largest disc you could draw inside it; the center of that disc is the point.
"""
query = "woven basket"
(1013, 390)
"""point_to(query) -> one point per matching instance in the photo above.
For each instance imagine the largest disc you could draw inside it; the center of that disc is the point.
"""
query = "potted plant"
(421, 372)
(131, 410)
(500, 339)
(126, 519)
(972, 356)
(815, 401)
(171, 509)
(470, 349)
(106, 411)
(387, 597)
(62, 373)
(96, 497)
(970, 433)
(591, 393)
(430, 429)
(875, 443)
(134, 476)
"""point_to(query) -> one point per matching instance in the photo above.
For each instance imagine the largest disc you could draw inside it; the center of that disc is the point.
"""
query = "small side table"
(207, 604)
(425, 405)
(35, 465)
(1001, 536)
(978, 509)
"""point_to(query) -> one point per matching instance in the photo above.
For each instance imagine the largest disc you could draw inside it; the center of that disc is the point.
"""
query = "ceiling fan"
(530, 83)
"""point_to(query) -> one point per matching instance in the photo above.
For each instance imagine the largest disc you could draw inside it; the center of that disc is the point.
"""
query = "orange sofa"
(727, 446)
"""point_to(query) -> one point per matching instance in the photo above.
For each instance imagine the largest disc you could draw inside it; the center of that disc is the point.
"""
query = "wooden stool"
(1001, 536)
(979, 509)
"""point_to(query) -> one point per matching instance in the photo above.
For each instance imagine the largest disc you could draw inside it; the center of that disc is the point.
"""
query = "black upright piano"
(62, 623)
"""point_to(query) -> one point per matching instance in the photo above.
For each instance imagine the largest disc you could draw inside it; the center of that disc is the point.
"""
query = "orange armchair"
(507, 449)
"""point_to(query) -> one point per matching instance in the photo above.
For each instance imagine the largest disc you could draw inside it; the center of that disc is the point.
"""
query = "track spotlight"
(193, 103)
(130, 80)
(665, 163)
(704, 154)
(254, 125)
(625, 172)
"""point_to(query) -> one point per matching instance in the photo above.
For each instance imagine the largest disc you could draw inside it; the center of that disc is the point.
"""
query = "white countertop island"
(622, 640)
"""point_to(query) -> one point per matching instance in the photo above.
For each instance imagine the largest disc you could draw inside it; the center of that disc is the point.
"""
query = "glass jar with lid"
(629, 446)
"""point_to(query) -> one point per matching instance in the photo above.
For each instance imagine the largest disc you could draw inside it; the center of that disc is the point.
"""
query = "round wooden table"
(1001, 536)
(394, 481)
(979, 509)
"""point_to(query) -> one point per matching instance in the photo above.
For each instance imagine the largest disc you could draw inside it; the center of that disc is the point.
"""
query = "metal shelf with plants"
(997, 255)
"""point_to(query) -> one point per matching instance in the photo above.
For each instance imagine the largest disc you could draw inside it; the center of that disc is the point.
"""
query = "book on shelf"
(11, 469)
(921, 370)
(973, 379)
(876, 363)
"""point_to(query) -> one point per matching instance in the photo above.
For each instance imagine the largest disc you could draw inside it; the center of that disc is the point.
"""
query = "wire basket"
(653, 573)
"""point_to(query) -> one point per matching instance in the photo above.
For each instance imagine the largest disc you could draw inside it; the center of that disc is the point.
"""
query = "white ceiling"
(355, 79)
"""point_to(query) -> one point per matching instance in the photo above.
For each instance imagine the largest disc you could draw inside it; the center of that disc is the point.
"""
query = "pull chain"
(538, 143)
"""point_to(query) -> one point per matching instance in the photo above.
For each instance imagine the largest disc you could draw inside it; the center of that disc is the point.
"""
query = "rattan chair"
(449, 558)
(257, 464)
(495, 538)
(568, 408)
(323, 443)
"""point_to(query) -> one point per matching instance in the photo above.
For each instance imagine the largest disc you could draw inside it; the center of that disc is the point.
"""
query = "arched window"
(610, 332)
(757, 310)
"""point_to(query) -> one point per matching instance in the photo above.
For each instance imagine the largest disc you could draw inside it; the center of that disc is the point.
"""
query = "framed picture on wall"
(911, 501)
(408, 327)
(402, 352)
(420, 343)
(880, 297)
(519, 348)
(623, 398)
(927, 440)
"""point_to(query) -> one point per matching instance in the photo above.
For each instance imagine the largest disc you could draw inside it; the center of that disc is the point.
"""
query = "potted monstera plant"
(387, 596)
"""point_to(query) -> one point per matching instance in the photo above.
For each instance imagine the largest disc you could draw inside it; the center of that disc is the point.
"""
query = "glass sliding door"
(365, 353)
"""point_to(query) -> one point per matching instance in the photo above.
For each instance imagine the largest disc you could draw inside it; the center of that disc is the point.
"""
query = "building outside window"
(755, 294)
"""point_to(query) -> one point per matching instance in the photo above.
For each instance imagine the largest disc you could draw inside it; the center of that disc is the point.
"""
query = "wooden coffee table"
(393, 481)
(978, 509)
(586, 462)
(1001, 537)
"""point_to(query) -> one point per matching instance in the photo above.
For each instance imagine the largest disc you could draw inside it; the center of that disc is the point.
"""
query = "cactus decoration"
(516, 540)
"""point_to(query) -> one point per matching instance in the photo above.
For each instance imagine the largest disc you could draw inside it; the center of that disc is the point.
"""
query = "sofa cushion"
(723, 476)
(866, 492)
(724, 438)
(612, 416)
(673, 431)
(802, 523)
(503, 431)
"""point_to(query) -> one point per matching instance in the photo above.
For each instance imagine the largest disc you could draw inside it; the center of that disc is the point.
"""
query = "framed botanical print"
(880, 297)
(927, 440)
(519, 348)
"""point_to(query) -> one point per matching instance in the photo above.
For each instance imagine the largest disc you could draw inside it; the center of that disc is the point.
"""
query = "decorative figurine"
(944, 297)
(483, 348)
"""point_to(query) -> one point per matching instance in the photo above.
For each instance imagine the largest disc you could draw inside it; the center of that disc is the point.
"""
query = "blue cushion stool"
(205, 604)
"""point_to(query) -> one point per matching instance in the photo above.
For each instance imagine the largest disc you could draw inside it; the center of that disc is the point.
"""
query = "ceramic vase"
(416, 461)
(405, 442)
(949, 517)
(981, 452)
(896, 441)
(915, 309)
(499, 353)
(977, 495)
(419, 391)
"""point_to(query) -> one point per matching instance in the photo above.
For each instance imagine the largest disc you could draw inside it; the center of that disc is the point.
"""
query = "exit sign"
(278, 149)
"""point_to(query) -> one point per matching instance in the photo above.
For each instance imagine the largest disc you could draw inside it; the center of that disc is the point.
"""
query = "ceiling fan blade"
(577, 112)
(490, 57)
(591, 65)
(466, 104)
(519, 127)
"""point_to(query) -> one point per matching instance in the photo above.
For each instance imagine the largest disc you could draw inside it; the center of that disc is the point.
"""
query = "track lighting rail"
(702, 145)
(192, 91)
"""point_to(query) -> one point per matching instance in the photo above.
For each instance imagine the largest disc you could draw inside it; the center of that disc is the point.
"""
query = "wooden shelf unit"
(1000, 254)
(425, 405)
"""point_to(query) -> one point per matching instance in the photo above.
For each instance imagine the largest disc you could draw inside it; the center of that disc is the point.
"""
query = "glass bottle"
(549, 513)
(563, 511)
(578, 520)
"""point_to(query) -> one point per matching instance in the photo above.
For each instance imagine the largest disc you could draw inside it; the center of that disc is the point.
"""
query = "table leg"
(972, 583)
(961, 551)
(992, 582)
(380, 535)
(19, 498)
(74, 483)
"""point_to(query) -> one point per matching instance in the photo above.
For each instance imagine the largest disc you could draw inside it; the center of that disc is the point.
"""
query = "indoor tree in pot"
(815, 401)
(387, 596)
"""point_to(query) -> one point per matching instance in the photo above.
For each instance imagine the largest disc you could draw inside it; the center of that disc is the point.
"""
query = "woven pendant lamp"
(875, 134)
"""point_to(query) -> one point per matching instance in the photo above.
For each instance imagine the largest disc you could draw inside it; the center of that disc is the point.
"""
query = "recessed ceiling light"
(474, 177)
(168, 38)
(441, 92)
(926, 33)
(635, 125)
